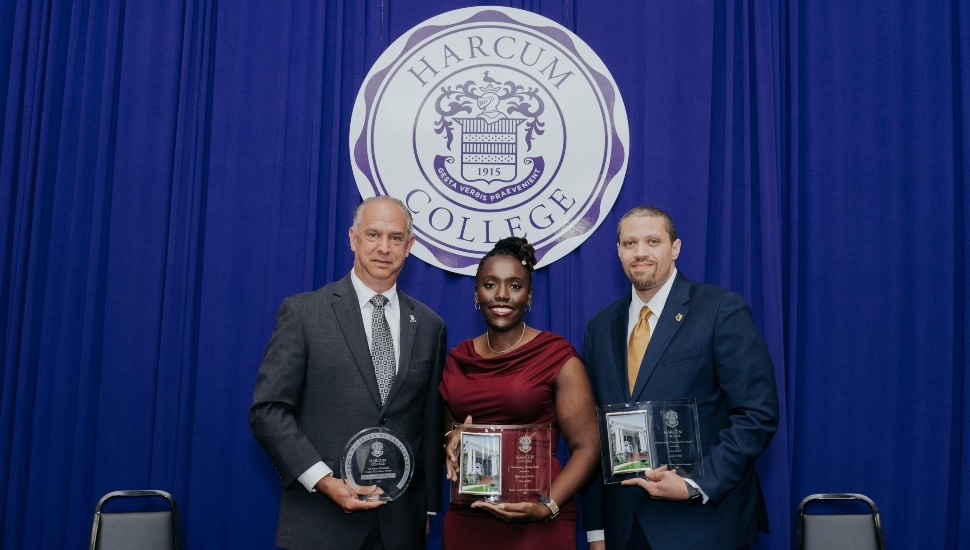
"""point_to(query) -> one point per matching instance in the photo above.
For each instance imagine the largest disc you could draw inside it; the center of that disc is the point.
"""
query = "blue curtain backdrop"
(169, 171)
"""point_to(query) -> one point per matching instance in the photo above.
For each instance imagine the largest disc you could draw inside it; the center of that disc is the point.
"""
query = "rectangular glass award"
(503, 463)
(636, 437)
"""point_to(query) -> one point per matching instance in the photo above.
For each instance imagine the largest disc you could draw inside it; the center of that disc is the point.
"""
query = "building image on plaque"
(481, 464)
(628, 441)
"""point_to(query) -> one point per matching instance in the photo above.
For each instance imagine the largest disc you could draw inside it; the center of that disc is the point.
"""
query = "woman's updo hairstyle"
(518, 248)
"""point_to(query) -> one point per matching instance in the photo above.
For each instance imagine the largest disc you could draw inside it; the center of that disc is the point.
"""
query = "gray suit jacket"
(317, 388)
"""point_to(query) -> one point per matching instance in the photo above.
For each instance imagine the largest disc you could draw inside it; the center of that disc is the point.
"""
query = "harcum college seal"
(491, 122)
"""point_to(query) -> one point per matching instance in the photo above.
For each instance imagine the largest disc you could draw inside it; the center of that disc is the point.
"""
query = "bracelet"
(553, 507)
(445, 437)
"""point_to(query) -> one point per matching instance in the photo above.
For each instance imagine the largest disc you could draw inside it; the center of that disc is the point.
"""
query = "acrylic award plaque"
(637, 437)
(503, 463)
(378, 464)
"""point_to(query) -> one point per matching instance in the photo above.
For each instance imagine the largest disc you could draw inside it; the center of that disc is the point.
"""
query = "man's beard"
(643, 281)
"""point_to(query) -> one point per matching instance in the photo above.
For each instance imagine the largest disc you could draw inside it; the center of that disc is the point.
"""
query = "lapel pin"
(413, 320)
(679, 316)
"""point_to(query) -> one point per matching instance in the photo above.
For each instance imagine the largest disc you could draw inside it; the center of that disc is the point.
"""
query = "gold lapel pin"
(679, 316)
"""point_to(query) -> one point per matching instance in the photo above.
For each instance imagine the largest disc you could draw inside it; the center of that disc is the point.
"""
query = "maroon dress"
(517, 387)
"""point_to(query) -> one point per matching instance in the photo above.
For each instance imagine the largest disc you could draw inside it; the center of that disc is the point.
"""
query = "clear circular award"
(378, 464)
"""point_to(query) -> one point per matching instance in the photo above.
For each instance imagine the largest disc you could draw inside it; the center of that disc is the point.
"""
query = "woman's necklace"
(489, 344)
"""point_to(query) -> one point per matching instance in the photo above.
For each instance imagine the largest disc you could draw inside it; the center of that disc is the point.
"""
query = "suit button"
(383, 420)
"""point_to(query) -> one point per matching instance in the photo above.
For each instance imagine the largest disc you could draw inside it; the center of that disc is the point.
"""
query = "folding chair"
(145, 528)
(844, 525)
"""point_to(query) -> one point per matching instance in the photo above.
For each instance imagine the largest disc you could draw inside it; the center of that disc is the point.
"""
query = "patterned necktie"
(637, 346)
(382, 347)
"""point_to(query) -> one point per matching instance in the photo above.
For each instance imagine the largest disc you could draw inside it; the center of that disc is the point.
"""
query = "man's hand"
(597, 545)
(662, 484)
(344, 495)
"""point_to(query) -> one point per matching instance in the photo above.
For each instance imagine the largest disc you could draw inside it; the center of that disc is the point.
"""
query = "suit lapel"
(618, 328)
(346, 309)
(675, 310)
(409, 328)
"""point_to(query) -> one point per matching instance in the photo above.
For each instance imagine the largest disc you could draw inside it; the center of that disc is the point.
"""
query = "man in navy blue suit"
(703, 344)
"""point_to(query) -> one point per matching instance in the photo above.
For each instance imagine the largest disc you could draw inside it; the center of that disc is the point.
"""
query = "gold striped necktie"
(637, 346)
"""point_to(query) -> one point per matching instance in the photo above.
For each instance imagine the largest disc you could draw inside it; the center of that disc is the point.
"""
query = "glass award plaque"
(636, 437)
(503, 463)
(378, 464)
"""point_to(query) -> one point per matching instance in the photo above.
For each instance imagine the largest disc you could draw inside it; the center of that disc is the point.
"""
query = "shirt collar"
(656, 304)
(365, 293)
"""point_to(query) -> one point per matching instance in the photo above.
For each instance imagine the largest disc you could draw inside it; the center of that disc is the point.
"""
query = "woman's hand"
(516, 512)
(452, 439)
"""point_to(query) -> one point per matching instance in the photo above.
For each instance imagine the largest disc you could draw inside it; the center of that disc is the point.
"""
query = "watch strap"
(553, 507)
(694, 496)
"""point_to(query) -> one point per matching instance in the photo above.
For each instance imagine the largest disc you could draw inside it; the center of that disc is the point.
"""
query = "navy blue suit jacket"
(705, 346)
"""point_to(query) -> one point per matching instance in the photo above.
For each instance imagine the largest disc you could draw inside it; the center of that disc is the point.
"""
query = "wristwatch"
(694, 496)
(553, 507)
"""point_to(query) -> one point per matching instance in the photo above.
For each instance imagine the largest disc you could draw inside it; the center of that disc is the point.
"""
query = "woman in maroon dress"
(516, 374)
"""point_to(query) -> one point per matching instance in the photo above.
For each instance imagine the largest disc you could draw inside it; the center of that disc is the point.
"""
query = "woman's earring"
(528, 307)
(477, 305)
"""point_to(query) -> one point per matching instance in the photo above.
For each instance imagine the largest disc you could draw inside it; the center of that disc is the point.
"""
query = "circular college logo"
(489, 123)
(377, 448)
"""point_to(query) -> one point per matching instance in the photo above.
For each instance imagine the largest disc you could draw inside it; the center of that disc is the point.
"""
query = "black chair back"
(842, 527)
(143, 529)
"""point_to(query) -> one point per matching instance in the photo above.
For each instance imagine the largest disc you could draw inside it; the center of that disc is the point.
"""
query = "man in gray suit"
(317, 388)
